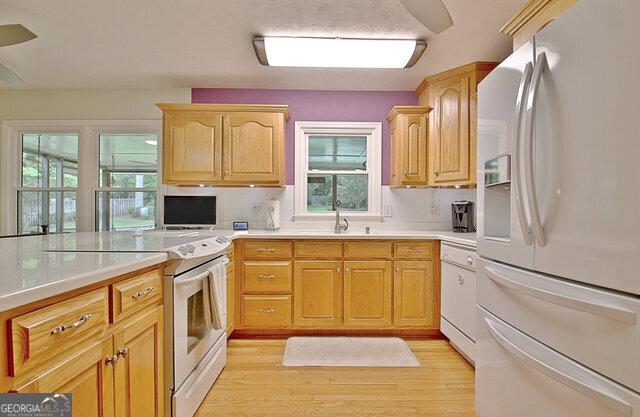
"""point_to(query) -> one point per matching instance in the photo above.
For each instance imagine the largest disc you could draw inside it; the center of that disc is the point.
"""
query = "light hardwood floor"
(254, 383)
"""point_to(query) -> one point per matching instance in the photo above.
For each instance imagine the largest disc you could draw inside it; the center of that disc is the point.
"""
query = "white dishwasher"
(458, 300)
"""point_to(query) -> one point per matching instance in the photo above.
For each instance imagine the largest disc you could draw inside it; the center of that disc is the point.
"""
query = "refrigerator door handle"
(518, 189)
(570, 382)
(532, 198)
(610, 312)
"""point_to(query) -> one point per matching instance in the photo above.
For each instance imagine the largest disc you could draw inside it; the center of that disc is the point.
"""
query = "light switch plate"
(387, 210)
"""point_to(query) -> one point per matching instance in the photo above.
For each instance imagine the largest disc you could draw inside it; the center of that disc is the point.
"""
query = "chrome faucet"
(339, 227)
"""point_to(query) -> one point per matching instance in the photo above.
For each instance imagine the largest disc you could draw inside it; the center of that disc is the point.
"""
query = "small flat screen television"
(189, 211)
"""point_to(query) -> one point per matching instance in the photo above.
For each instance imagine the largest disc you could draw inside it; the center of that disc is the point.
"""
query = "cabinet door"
(367, 293)
(415, 294)
(414, 149)
(253, 146)
(317, 300)
(230, 301)
(395, 131)
(139, 388)
(191, 147)
(86, 376)
(450, 139)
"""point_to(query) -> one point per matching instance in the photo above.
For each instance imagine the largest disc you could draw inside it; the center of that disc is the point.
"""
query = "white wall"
(411, 207)
(23, 104)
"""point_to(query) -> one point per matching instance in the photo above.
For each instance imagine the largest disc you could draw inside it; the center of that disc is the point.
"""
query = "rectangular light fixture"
(279, 51)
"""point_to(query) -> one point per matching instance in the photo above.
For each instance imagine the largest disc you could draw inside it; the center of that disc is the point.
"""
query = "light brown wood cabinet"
(409, 145)
(533, 16)
(223, 144)
(113, 368)
(367, 293)
(302, 286)
(317, 295)
(452, 124)
(415, 294)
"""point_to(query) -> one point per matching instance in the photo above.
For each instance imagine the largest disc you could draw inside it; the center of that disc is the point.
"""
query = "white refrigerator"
(558, 298)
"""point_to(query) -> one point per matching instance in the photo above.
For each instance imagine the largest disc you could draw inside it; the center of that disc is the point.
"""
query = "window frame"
(88, 164)
(372, 131)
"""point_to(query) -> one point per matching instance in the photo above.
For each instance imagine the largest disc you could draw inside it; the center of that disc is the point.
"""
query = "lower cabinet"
(317, 294)
(86, 375)
(367, 293)
(138, 372)
(415, 294)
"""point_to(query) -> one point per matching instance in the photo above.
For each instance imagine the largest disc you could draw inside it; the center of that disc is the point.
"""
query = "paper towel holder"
(273, 222)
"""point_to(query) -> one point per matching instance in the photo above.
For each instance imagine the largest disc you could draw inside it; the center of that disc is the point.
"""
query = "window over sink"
(337, 161)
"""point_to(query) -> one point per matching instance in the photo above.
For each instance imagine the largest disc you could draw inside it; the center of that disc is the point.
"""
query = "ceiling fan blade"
(14, 34)
(9, 76)
(433, 14)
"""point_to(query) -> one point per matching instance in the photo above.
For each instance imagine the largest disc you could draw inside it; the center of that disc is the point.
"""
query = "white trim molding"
(373, 132)
(88, 154)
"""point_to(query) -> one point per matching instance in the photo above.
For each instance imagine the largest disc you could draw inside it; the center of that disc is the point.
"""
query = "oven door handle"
(185, 281)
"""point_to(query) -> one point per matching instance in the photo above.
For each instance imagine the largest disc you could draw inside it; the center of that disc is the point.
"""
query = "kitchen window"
(47, 193)
(79, 175)
(337, 161)
(128, 178)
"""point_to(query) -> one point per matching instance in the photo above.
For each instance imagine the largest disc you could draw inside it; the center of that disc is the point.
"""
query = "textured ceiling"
(207, 43)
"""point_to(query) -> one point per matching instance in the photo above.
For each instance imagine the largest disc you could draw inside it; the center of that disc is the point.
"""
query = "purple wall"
(313, 105)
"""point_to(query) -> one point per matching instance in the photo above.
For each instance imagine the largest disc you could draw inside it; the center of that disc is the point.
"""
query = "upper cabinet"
(452, 123)
(408, 133)
(223, 144)
(532, 17)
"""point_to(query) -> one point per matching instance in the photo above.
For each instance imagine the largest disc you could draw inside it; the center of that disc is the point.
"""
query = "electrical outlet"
(256, 208)
(434, 210)
(387, 210)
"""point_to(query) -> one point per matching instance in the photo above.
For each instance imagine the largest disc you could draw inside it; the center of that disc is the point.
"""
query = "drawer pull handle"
(64, 327)
(266, 310)
(460, 279)
(270, 276)
(122, 353)
(268, 250)
(413, 250)
(111, 360)
(139, 294)
(570, 382)
(611, 312)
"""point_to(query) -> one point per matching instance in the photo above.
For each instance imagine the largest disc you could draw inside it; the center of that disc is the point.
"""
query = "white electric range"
(195, 311)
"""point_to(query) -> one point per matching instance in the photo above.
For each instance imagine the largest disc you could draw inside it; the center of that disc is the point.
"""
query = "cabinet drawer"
(274, 276)
(318, 250)
(39, 336)
(412, 250)
(260, 311)
(364, 249)
(135, 293)
(267, 249)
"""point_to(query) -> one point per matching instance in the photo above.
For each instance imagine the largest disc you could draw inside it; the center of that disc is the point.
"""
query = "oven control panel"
(200, 248)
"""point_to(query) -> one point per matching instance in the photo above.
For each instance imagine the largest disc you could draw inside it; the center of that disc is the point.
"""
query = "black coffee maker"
(462, 216)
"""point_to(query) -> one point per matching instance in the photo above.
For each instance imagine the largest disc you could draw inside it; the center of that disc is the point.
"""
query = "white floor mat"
(348, 351)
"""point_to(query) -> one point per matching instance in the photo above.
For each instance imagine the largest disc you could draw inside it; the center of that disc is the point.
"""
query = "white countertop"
(28, 273)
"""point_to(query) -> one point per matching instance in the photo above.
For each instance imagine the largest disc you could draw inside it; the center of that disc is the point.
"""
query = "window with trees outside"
(49, 182)
(128, 179)
(337, 162)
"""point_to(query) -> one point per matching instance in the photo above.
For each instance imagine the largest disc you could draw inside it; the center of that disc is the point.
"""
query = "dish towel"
(216, 307)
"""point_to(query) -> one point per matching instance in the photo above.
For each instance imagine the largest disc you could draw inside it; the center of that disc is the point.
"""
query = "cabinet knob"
(338, 270)
(397, 269)
(217, 172)
(436, 173)
(111, 360)
(405, 172)
(122, 353)
(469, 259)
(347, 270)
(226, 171)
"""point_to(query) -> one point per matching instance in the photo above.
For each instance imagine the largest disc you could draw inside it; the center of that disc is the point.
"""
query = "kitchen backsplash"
(411, 208)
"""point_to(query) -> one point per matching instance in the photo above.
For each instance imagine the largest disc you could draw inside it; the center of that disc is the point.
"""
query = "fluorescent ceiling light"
(151, 142)
(338, 52)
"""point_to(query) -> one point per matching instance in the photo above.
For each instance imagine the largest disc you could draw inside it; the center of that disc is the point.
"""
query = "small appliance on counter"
(462, 216)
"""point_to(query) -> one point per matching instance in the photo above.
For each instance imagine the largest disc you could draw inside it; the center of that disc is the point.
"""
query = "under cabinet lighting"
(280, 51)
(151, 142)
